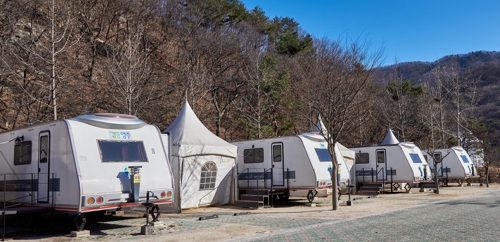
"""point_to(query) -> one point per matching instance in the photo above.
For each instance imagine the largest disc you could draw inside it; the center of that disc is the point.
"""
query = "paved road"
(467, 219)
(471, 218)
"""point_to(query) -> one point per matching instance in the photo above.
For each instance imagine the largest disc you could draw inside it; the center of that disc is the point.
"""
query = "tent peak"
(390, 139)
(320, 127)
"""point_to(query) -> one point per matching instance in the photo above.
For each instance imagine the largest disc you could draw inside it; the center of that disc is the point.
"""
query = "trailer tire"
(285, 196)
(28, 219)
(16, 220)
(95, 216)
(460, 182)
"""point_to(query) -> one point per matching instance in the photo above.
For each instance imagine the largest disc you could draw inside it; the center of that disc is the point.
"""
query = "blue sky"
(409, 30)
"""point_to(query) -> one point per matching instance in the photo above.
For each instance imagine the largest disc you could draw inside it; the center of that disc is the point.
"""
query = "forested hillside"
(246, 75)
(477, 70)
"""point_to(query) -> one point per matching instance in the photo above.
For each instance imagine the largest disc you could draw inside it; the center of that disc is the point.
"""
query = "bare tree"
(36, 55)
(401, 102)
(460, 88)
(131, 71)
(340, 73)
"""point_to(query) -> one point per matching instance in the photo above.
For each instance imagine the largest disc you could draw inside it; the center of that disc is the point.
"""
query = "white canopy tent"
(203, 164)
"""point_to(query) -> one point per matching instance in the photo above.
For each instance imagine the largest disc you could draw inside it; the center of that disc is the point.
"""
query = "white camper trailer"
(284, 164)
(456, 165)
(203, 164)
(392, 162)
(89, 163)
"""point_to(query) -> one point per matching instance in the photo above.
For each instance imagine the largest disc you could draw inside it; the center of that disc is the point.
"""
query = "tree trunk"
(487, 176)
(436, 178)
(335, 192)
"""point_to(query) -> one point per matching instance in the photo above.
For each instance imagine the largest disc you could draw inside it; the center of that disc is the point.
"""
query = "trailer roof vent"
(111, 120)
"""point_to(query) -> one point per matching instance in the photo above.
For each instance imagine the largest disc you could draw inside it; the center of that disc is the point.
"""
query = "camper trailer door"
(43, 167)
(381, 165)
(277, 154)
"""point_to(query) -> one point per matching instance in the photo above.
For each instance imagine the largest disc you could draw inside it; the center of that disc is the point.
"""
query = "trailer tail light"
(100, 200)
(169, 194)
(90, 200)
(163, 194)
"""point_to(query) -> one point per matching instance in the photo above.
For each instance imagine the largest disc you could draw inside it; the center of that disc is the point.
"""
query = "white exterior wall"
(75, 161)
(61, 162)
(296, 160)
(397, 158)
(457, 168)
(300, 159)
(108, 178)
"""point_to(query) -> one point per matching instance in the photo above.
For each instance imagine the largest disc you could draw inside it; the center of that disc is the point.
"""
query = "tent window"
(208, 175)
(253, 155)
(362, 158)
(22, 153)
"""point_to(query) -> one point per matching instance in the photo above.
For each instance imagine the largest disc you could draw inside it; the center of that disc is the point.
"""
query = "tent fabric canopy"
(188, 132)
(346, 152)
(193, 147)
(390, 139)
(320, 127)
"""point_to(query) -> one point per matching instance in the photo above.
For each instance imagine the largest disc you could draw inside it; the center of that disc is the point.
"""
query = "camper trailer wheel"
(468, 180)
(285, 195)
(28, 219)
(407, 187)
(15, 220)
(460, 182)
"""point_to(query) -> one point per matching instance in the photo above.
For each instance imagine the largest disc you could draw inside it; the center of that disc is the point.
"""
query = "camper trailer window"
(22, 153)
(323, 155)
(415, 158)
(44, 147)
(277, 153)
(437, 157)
(253, 155)
(208, 175)
(116, 151)
(464, 159)
(362, 158)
